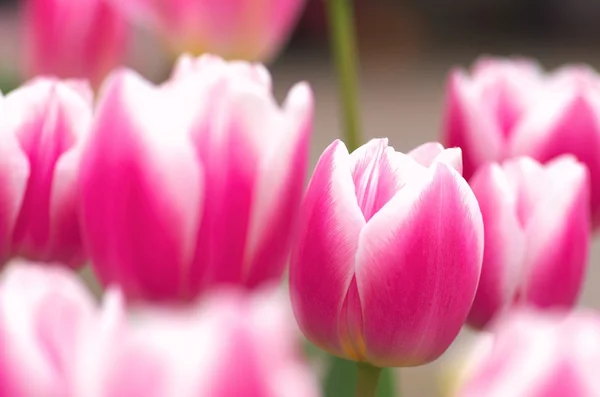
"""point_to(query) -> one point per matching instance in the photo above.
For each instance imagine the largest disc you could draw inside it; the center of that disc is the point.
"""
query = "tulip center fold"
(502, 103)
(350, 327)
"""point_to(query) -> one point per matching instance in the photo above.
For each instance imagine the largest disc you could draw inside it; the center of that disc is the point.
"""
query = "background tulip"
(389, 254)
(235, 29)
(534, 355)
(43, 311)
(42, 124)
(230, 345)
(194, 183)
(73, 39)
(537, 233)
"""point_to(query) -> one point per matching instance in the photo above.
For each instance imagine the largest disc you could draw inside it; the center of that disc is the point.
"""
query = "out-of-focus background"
(407, 48)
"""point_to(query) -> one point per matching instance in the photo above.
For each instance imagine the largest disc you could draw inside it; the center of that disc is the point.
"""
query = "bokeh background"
(406, 50)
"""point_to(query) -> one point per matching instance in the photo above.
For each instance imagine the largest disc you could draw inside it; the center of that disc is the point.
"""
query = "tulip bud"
(537, 233)
(389, 254)
(484, 108)
(73, 39)
(234, 29)
(231, 345)
(534, 355)
(43, 311)
(42, 123)
(194, 183)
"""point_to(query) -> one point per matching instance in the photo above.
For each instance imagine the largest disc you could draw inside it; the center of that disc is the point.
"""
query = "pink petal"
(526, 179)
(418, 265)
(504, 252)
(426, 153)
(322, 263)
(140, 191)
(279, 190)
(558, 245)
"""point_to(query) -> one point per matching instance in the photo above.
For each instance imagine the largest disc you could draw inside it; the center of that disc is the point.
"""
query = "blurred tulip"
(484, 108)
(235, 29)
(73, 38)
(232, 345)
(194, 183)
(537, 233)
(389, 253)
(508, 108)
(534, 355)
(40, 127)
(43, 311)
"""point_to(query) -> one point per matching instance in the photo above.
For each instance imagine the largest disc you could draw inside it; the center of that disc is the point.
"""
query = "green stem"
(343, 42)
(367, 380)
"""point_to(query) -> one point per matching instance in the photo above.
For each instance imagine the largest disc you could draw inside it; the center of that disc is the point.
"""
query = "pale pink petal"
(417, 269)
(426, 153)
(469, 124)
(279, 189)
(504, 252)
(526, 179)
(141, 191)
(322, 264)
(558, 237)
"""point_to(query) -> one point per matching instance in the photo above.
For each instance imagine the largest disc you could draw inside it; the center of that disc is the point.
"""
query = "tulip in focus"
(535, 355)
(509, 108)
(232, 345)
(41, 124)
(43, 313)
(194, 183)
(234, 29)
(73, 38)
(537, 233)
(389, 253)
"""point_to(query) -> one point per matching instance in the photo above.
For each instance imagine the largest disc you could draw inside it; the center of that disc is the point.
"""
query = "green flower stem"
(367, 380)
(343, 43)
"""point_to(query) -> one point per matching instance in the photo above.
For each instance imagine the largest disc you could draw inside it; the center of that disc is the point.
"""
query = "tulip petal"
(558, 245)
(141, 191)
(426, 153)
(504, 252)
(322, 263)
(279, 189)
(418, 265)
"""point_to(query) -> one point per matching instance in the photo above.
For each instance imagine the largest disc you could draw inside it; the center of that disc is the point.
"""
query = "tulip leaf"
(341, 380)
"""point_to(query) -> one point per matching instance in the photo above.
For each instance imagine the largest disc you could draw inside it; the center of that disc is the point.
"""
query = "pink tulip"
(509, 108)
(389, 253)
(43, 312)
(230, 346)
(40, 127)
(537, 233)
(531, 355)
(484, 109)
(235, 29)
(194, 183)
(73, 38)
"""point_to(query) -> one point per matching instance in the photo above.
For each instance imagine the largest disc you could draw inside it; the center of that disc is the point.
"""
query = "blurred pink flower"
(537, 233)
(43, 313)
(507, 108)
(73, 38)
(252, 30)
(389, 253)
(536, 355)
(41, 124)
(233, 344)
(194, 183)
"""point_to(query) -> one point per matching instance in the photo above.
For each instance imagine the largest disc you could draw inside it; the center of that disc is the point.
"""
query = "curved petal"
(558, 245)
(469, 125)
(140, 191)
(426, 153)
(504, 252)
(322, 263)
(418, 264)
(279, 189)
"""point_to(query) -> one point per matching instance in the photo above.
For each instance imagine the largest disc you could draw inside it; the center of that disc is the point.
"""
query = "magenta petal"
(322, 263)
(558, 245)
(140, 191)
(418, 265)
(504, 252)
